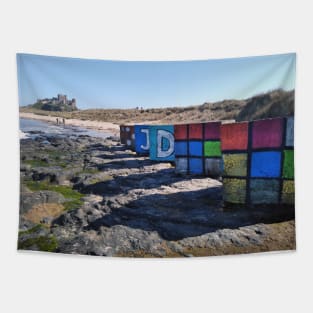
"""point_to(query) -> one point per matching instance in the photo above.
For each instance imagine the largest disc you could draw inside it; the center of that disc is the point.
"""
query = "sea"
(33, 128)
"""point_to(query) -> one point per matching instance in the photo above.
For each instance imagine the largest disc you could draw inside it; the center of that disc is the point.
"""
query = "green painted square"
(288, 169)
(212, 149)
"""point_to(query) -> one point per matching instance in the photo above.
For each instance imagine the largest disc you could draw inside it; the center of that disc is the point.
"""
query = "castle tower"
(73, 103)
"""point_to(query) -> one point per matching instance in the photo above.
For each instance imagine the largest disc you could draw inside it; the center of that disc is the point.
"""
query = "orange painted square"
(195, 131)
(180, 132)
(234, 136)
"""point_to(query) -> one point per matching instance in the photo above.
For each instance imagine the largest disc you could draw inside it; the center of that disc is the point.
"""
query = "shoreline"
(94, 125)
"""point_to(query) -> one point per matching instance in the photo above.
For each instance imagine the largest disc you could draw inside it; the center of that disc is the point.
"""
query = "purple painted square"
(267, 133)
(212, 130)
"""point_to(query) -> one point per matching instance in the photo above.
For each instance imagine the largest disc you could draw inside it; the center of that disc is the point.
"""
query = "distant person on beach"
(63, 121)
(57, 121)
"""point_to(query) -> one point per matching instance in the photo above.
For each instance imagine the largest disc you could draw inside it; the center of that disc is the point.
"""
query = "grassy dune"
(271, 104)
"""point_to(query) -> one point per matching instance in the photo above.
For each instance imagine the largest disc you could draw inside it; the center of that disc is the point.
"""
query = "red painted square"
(180, 132)
(234, 136)
(267, 133)
(212, 130)
(195, 131)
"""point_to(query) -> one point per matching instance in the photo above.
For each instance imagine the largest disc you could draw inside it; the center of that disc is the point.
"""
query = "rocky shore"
(85, 195)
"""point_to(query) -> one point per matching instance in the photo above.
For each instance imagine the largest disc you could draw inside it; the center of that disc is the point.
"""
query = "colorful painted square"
(181, 148)
(288, 192)
(234, 190)
(267, 133)
(180, 132)
(234, 136)
(195, 148)
(162, 146)
(288, 169)
(265, 164)
(235, 164)
(195, 131)
(212, 131)
(142, 140)
(213, 167)
(181, 165)
(212, 149)
(289, 132)
(195, 166)
(264, 191)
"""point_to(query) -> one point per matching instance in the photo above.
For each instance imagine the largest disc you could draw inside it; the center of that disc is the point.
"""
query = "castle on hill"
(59, 103)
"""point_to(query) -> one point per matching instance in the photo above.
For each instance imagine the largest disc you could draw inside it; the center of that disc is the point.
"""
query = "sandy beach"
(96, 125)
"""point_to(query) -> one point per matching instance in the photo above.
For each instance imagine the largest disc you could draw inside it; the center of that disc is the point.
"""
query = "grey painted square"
(264, 191)
(289, 132)
(181, 165)
(213, 167)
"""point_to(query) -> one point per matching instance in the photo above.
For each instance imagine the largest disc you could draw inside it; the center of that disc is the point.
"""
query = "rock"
(29, 199)
(25, 167)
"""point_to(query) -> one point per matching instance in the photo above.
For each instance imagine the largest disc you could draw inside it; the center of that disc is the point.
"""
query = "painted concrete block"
(213, 167)
(181, 148)
(234, 136)
(195, 148)
(267, 133)
(264, 191)
(212, 131)
(265, 164)
(199, 149)
(235, 164)
(162, 143)
(288, 168)
(142, 140)
(290, 132)
(265, 160)
(234, 190)
(288, 192)
(181, 165)
(195, 166)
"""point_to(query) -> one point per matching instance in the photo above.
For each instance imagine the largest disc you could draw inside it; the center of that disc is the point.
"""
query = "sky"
(151, 84)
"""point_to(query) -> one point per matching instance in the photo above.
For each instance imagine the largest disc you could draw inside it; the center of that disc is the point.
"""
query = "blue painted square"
(265, 164)
(195, 166)
(142, 142)
(180, 147)
(195, 148)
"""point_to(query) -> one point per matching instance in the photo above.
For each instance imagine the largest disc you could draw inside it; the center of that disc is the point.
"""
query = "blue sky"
(151, 84)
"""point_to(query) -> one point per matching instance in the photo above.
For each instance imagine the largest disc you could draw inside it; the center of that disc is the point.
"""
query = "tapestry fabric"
(157, 158)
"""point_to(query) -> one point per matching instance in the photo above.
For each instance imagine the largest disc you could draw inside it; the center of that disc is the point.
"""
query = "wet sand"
(95, 125)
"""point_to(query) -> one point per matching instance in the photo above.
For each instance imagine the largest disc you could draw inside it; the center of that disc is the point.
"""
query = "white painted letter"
(166, 134)
(147, 146)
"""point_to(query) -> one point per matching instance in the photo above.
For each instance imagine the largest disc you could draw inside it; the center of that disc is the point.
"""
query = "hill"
(272, 104)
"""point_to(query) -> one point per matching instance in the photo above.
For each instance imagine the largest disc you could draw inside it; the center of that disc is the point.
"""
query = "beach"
(95, 125)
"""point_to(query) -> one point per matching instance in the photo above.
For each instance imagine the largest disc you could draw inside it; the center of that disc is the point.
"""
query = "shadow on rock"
(127, 164)
(115, 156)
(120, 184)
(186, 214)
